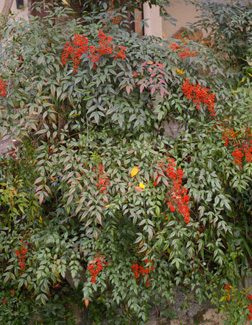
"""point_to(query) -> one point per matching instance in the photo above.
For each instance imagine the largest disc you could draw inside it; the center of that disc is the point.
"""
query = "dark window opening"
(20, 4)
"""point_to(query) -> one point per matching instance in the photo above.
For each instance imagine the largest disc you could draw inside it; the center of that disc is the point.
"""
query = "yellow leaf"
(108, 206)
(40, 219)
(141, 185)
(134, 172)
(53, 179)
(179, 71)
(57, 273)
(65, 2)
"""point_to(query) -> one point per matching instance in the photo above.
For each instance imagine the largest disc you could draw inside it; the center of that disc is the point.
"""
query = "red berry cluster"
(2, 88)
(241, 149)
(250, 308)
(21, 253)
(137, 269)
(227, 135)
(238, 154)
(228, 288)
(184, 52)
(199, 96)
(75, 51)
(103, 180)
(95, 268)
(178, 195)
(80, 46)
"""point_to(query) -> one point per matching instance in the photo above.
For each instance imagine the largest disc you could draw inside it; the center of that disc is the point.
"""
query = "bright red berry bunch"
(241, 149)
(199, 95)
(21, 253)
(80, 46)
(103, 181)
(75, 51)
(227, 286)
(238, 154)
(106, 47)
(183, 52)
(2, 88)
(177, 197)
(95, 268)
(250, 308)
(138, 269)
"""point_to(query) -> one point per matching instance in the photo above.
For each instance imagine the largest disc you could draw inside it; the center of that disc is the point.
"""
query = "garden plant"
(97, 190)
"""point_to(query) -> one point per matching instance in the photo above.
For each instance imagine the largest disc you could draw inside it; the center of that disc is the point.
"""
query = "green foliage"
(69, 199)
(18, 307)
(236, 303)
(228, 24)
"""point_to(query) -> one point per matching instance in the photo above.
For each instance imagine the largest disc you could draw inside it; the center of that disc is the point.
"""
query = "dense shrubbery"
(228, 25)
(97, 189)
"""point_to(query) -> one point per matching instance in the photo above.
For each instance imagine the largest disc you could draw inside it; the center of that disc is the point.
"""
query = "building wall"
(178, 9)
(181, 11)
(20, 12)
(154, 21)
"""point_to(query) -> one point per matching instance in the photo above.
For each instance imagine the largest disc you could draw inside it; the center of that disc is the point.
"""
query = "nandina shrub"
(128, 212)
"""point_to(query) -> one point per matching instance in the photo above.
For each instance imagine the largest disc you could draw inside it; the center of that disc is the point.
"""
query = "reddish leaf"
(38, 180)
(138, 188)
(41, 197)
(128, 88)
(142, 88)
